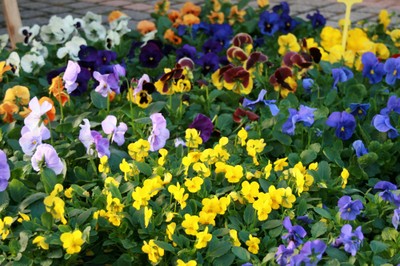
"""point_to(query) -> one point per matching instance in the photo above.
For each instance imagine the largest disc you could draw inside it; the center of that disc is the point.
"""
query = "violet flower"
(351, 240)
(32, 137)
(373, 69)
(295, 233)
(104, 87)
(393, 105)
(317, 20)
(395, 218)
(101, 144)
(270, 103)
(150, 54)
(386, 190)
(70, 76)
(341, 74)
(93, 141)
(359, 109)
(109, 125)
(283, 253)
(159, 133)
(204, 125)
(344, 123)
(348, 208)
(46, 156)
(359, 148)
(307, 84)
(305, 115)
(310, 254)
(392, 69)
(382, 124)
(268, 23)
(186, 51)
(209, 62)
(4, 171)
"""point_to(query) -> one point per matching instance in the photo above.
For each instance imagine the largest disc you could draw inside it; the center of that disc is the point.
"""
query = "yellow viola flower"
(202, 239)
(72, 242)
(40, 241)
(381, 51)
(263, 206)
(148, 212)
(242, 135)
(169, 216)
(103, 166)
(208, 156)
(276, 196)
(153, 251)
(253, 147)
(141, 197)
(163, 152)
(250, 190)
(192, 137)
(178, 193)
(23, 217)
(234, 237)
(201, 169)
(5, 224)
(139, 150)
(68, 192)
(288, 198)
(252, 244)
(3, 68)
(288, 43)
(384, 18)
(220, 167)
(170, 230)
(330, 37)
(262, 3)
(344, 175)
(55, 206)
(191, 224)
(189, 263)
(194, 184)
(267, 170)
(207, 218)
(18, 94)
(234, 173)
(280, 164)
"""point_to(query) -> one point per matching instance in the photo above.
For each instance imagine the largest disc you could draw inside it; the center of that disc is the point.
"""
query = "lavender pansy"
(305, 115)
(4, 171)
(70, 76)
(46, 156)
(351, 240)
(270, 103)
(283, 253)
(109, 125)
(344, 123)
(348, 208)
(295, 233)
(32, 137)
(310, 254)
(101, 144)
(386, 190)
(341, 74)
(359, 148)
(159, 133)
(392, 69)
(307, 84)
(396, 218)
(382, 124)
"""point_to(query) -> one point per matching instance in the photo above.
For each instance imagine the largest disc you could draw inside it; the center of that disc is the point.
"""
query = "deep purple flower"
(104, 57)
(359, 109)
(4, 171)
(70, 76)
(317, 20)
(349, 209)
(341, 74)
(268, 23)
(382, 124)
(351, 240)
(270, 103)
(359, 148)
(305, 115)
(307, 84)
(209, 62)
(344, 123)
(373, 69)
(186, 51)
(295, 233)
(150, 54)
(386, 190)
(82, 80)
(159, 133)
(282, 8)
(109, 125)
(310, 254)
(46, 156)
(283, 253)
(212, 46)
(392, 69)
(395, 218)
(203, 124)
(287, 23)
(222, 33)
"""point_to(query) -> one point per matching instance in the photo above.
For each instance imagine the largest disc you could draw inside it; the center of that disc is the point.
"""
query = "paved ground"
(39, 11)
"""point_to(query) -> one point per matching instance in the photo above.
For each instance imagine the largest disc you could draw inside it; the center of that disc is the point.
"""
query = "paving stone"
(140, 7)
(117, 3)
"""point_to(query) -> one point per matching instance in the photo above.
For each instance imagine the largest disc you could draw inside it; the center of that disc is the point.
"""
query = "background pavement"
(40, 11)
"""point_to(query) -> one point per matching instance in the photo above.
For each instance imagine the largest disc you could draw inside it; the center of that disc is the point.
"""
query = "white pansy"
(3, 41)
(29, 33)
(71, 48)
(14, 61)
(58, 30)
(120, 25)
(149, 36)
(39, 48)
(31, 62)
(112, 39)
(90, 17)
(94, 31)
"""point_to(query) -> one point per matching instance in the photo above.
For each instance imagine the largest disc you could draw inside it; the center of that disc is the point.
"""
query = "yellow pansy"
(72, 242)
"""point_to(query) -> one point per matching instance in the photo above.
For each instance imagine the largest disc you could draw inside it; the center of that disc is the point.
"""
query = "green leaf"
(164, 245)
(318, 229)
(123, 260)
(249, 215)
(17, 189)
(335, 253)
(218, 248)
(224, 123)
(155, 107)
(83, 217)
(49, 179)
(301, 207)
(23, 240)
(333, 154)
(276, 232)
(308, 156)
(144, 168)
(31, 199)
(98, 101)
(226, 259)
(241, 253)
(64, 128)
(330, 97)
(4, 200)
(282, 138)
(389, 234)
(324, 213)
(378, 246)
(47, 220)
(269, 224)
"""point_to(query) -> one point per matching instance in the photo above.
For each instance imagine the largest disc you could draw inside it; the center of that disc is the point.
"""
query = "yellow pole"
(349, 4)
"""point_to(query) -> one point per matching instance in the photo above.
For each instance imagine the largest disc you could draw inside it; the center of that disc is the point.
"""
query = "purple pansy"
(359, 109)
(109, 125)
(392, 69)
(270, 103)
(396, 218)
(4, 171)
(283, 253)
(46, 156)
(295, 233)
(310, 254)
(351, 240)
(348, 208)
(373, 69)
(93, 141)
(203, 124)
(344, 123)
(359, 148)
(186, 51)
(151, 54)
(341, 74)
(209, 62)
(393, 105)
(317, 20)
(101, 144)
(70, 76)
(382, 124)
(268, 23)
(307, 84)
(386, 190)
(305, 115)
(159, 133)
(105, 81)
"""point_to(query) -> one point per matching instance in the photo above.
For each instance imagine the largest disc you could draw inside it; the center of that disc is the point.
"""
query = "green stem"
(108, 103)
(93, 165)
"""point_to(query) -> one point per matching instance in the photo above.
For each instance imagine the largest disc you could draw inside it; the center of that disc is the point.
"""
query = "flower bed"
(215, 135)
